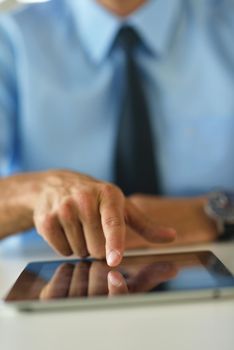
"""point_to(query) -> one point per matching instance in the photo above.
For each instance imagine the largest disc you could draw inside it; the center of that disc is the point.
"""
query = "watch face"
(222, 205)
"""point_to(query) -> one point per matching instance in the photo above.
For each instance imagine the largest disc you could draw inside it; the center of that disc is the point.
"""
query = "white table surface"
(192, 325)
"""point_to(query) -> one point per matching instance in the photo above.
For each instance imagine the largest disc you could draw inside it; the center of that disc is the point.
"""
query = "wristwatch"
(220, 207)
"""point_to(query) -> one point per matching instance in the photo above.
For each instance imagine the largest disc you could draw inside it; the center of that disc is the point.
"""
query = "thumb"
(147, 227)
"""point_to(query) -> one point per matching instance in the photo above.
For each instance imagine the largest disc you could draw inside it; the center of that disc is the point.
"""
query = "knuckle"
(84, 196)
(65, 210)
(110, 190)
(113, 222)
(85, 201)
(45, 223)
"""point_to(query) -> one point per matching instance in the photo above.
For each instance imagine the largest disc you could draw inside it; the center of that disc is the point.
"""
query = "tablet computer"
(138, 279)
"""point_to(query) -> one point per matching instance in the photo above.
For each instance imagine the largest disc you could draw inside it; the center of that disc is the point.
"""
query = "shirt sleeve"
(8, 103)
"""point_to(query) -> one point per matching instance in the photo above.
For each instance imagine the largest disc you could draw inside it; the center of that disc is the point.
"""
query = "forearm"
(17, 197)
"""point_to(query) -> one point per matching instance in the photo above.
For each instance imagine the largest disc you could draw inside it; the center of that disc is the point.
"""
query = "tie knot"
(128, 38)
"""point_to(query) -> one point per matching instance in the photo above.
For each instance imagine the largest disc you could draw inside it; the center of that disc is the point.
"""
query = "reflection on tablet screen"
(142, 274)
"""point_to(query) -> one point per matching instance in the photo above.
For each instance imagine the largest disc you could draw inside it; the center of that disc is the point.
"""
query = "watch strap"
(228, 233)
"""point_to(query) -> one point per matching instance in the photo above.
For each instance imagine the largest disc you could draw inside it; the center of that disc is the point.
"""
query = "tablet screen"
(139, 274)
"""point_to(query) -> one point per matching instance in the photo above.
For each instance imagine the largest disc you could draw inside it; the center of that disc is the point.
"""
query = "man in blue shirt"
(61, 90)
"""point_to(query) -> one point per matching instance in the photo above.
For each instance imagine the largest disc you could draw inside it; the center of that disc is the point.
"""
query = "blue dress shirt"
(61, 83)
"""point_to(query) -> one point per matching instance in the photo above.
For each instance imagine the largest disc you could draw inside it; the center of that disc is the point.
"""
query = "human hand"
(77, 214)
(97, 279)
(186, 215)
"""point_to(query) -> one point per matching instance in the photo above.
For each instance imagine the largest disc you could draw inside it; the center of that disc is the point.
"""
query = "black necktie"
(134, 162)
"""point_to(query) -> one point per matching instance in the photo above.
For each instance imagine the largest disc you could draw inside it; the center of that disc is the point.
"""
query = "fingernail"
(113, 258)
(172, 231)
(169, 230)
(114, 280)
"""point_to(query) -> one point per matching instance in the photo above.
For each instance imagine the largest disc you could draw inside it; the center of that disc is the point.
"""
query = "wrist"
(26, 188)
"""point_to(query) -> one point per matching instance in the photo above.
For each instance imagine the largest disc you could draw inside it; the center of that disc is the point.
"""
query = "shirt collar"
(98, 27)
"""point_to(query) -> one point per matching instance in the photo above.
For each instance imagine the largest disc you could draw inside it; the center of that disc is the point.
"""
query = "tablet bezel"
(128, 300)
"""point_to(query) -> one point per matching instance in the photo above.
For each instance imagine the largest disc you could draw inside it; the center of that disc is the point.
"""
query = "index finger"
(112, 206)
(116, 283)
